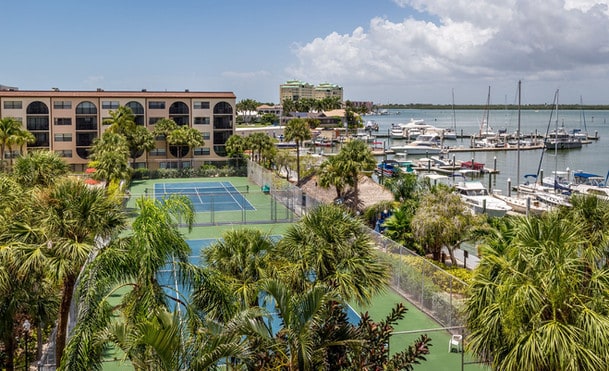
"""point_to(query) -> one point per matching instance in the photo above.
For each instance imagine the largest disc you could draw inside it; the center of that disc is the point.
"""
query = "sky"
(385, 51)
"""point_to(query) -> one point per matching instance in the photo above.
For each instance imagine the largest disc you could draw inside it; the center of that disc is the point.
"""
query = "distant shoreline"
(492, 107)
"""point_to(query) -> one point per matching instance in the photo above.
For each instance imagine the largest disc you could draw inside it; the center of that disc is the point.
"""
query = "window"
(85, 139)
(37, 123)
(63, 121)
(67, 137)
(202, 121)
(86, 123)
(204, 151)
(62, 104)
(109, 104)
(37, 108)
(42, 140)
(13, 104)
(136, 108)
(156, 105)
(158, 152)
(86, 108)
(153, 120)
(200, 105)
(64, 152)
(206, 135)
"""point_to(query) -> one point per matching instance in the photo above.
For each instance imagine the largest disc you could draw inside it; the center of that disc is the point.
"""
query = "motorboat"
(397, 132)
(560, 139)
(590, 184)
(425, 144)
(524, 203)
(478, 199)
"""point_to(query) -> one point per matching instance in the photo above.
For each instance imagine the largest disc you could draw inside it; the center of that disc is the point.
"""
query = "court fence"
(427, 286)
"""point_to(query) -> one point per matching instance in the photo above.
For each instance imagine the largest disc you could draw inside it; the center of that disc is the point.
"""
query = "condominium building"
(67, 122)
(295, 90)
(327, 90)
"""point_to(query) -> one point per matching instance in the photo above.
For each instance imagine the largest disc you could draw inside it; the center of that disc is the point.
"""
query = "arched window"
(178, 112)
(138, 112)
(86, 108)
(223, 126)
(86, 128)
(37, 108)
(37, 123)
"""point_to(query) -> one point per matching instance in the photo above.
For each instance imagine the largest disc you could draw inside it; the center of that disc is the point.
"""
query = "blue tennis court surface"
(207, 196)
(173, 287)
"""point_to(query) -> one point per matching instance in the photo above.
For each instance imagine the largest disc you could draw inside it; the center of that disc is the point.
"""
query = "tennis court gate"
(284, 192)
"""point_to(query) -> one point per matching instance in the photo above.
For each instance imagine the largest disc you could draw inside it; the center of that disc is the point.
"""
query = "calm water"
(593, 157)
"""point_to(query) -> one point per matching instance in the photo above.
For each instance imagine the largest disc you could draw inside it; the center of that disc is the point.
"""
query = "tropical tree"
(139, 141)
(329, 246)
(288, 105)
(403, 186)
(76, 218)
(110, 158)
(537, 292)
(143, 329)
(258, 143)
(183, 139)
(11, 133)
(244, 257)
(248, 106)
(297, 130)
(447, 226)
(39, 168)
(354, 158)
(330, 174)
(398, 227)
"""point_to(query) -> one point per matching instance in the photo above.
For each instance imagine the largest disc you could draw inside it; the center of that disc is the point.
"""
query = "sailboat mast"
(454, 116)
(518, 139)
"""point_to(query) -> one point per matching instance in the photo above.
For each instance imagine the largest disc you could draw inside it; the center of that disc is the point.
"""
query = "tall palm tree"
(330, 174)
(297, 130)
(75, 216)
(133, 261)
(110, 158)
(330, 246)
(184, 138)
(535, 294)
(12, 132)
(355, 157)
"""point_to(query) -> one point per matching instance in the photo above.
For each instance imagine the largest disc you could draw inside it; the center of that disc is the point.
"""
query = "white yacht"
(478, 199)
(425, 144)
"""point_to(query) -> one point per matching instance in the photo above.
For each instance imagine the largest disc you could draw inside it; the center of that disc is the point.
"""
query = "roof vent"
(144, 90)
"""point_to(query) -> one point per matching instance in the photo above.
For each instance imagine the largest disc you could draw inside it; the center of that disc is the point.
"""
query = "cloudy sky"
(386, 51)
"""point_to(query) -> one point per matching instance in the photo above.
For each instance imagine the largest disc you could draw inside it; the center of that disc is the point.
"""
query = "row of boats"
(533, 196)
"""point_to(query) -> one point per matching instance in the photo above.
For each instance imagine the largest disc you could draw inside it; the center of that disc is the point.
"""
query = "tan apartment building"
(67, 122)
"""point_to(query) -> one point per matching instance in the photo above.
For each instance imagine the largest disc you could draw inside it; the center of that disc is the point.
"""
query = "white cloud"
(478, 40)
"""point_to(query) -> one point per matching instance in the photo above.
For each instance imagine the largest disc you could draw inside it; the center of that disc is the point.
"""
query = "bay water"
(592, 157)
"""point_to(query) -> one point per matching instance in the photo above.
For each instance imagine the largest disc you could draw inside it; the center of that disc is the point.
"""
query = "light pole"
(26, 327)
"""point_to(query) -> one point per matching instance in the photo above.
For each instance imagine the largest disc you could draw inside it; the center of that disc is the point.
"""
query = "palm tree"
(330, 175)
(183, 139)
(297, 130)
(11, 132)
(354, 158)
(258, 143)
(110, 158)
(330, 246)
(39, 168)
(535, 293)
(75, 215)
(133, 261)
(139, 141)
(244, 257)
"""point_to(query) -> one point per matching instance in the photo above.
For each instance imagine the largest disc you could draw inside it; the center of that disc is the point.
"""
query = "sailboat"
(522, 203)
(549, 190)
(451, 133)
(485, 129)
(559, 138)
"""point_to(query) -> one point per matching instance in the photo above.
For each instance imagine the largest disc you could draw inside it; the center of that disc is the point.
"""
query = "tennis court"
(207, 196)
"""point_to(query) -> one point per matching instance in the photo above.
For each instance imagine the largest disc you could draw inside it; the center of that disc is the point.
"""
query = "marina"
(501, 170)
